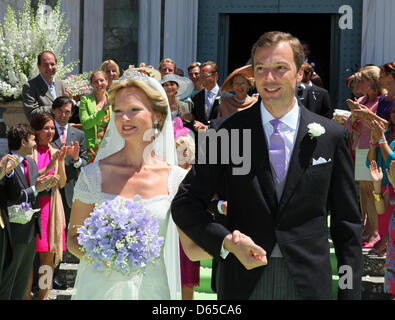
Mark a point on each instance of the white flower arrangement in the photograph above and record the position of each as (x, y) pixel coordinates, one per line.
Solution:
(315, 130)
(22, 38)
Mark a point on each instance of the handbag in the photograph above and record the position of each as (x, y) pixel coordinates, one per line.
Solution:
(21, 213)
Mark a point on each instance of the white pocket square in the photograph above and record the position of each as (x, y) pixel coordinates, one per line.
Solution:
(320, 160)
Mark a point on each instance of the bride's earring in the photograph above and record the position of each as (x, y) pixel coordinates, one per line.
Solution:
(156, 131)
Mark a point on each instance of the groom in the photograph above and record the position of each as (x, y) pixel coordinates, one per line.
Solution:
(274, 244)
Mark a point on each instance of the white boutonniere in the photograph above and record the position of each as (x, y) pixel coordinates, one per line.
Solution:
(315, 130)
(218, 98)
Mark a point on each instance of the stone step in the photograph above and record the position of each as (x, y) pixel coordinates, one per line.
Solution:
(60, 294)
(69, 258)
(373, 265)
(67, 273)
(373, 288)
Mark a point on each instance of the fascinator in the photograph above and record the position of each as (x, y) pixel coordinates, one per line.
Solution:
(179, 129)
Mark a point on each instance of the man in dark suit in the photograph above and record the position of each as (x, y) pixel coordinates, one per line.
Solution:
(275, 241)
(206, 101)
(16, 275)
(39, 93)
(77, 156)
(313, 97)
(7, 163)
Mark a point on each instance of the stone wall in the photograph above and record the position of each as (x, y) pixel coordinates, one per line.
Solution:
(121, 32)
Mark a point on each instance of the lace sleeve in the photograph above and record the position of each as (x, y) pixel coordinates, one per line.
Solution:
(177, 175)
(87, 187)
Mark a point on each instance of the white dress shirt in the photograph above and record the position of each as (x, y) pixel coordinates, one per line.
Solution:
(78, 163)
(210, 96)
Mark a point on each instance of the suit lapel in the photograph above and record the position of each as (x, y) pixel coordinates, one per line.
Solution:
(260, 157)
(300, 158)
(21, 176)
(56, 140)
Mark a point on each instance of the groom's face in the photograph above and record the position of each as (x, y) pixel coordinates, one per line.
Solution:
(276, 75)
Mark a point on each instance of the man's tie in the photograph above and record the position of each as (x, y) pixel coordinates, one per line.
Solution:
(62, 135)
(277, 149)
(26, 168)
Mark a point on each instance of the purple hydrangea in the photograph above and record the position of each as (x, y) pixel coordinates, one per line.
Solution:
(120, 235)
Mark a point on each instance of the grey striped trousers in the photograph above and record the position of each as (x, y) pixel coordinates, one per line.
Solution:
(275, 283)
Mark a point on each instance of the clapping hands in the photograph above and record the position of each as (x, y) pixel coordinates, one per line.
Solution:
(45, 182)
(375, 172)
(377, 131)
(8, 163)
(73, 150)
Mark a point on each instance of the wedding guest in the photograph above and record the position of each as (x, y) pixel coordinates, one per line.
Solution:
(386, 102)
(167, 66)
(194, 76)
(206, 102)
(382, 151)
(369, 78)
(39, 93)
(190, 270)
(76, 158)
(95, 113)
(77, 155)
(22, 181)
(111, 68)
(52, 243)
(123, 169)
(177, 89)
(239, 81)
(382, 201)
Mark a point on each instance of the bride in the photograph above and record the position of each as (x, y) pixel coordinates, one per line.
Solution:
(136, 161)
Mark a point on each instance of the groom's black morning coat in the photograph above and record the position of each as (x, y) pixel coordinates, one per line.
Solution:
(298, 222)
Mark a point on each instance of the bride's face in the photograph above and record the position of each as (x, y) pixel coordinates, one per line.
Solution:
(133, 113)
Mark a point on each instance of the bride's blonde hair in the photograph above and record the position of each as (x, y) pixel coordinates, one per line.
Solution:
(158, 102)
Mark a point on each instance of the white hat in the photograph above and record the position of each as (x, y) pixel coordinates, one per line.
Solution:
(185, 85)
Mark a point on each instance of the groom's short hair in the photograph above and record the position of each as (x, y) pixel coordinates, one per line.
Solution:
(272, 38)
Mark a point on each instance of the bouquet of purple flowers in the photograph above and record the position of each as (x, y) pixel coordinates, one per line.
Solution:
(120, 235)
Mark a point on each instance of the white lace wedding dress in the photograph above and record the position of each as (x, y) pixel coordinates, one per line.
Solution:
(155, 283)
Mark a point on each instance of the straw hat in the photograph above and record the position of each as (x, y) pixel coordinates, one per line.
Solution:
(246, 70)
(148, 70)
(185, 85)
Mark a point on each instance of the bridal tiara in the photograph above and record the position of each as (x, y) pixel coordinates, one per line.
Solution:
(132, 74)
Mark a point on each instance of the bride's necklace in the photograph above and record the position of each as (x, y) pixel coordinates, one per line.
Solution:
(240, 101)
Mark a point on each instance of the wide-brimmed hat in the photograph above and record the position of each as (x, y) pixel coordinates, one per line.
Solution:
(185, 85)
(148, 70)
(246, 70)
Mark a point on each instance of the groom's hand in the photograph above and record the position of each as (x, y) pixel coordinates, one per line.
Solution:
(249, 254)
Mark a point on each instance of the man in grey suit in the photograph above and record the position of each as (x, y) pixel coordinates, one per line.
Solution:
(39, 93)
(77, 156)
(16, 273)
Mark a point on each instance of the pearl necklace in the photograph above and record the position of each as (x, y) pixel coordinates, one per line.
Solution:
(240, 101)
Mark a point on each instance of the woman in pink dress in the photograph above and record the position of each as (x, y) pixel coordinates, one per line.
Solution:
(190, 270)
(53, 239)
(369, 84)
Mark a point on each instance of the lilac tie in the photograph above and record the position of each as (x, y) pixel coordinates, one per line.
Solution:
(277, 149)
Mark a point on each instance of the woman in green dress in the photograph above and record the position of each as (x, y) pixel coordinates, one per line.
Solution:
(95, 112)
